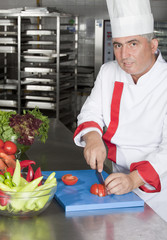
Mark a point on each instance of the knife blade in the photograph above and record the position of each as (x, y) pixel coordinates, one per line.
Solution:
(100, 177)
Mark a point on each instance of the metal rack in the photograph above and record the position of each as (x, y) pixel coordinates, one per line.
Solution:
(8, 47)
(45, 46)
(161, 34)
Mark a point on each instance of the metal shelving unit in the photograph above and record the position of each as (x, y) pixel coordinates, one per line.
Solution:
(45, 46)
(9, 42)
(161, 34)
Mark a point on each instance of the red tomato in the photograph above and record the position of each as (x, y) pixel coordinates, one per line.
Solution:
(1, 143)
(2, 150)
(10, 147)
(69, 179)
(98, 189)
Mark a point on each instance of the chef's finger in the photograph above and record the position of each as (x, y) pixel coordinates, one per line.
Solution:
(112, 177)
(117, 190)
(99, 166)
(100, 161)
(93, 161)
(112, 181)
(90, 159)
(87, 156)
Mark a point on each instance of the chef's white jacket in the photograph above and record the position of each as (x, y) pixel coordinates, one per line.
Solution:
(135, 116)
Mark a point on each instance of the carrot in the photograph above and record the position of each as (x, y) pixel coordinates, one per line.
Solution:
(9, 161)
(5, 156)
(3, 166)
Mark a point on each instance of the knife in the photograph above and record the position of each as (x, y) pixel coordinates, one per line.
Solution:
(100, 177)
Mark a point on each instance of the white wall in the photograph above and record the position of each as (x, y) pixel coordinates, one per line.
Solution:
(5, 4)
(89, 8)
(159, 9)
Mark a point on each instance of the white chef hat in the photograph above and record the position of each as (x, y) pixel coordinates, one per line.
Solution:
(130, 17)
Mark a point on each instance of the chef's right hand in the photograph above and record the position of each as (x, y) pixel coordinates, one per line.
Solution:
(94, 151)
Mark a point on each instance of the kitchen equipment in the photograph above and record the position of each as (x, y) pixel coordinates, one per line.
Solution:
(100, 177)
(35, 43)
(7, 49)
(103, 43)
(79, 198)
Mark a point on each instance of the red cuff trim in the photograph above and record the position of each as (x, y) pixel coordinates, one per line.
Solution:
(148, 173)
(85, 125)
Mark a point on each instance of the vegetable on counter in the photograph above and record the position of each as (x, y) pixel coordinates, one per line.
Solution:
(17, 194)
(7, 157)
(29, 125)
(30, 174)
(69, 179)
(38, 174)
(17, 174)
(23, 129)
(26, 163)
(10, 147)
(6, 161)
(98, 189)
(4, 199)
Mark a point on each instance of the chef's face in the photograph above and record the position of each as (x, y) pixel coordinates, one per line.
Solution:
(135, 54)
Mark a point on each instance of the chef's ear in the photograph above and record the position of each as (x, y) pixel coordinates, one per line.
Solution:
(154, 45)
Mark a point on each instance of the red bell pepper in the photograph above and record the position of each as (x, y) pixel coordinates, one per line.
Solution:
(30, 174)
(4, 198)
(26, 163)
(38, 174)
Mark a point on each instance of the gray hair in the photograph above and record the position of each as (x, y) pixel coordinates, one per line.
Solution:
(148, 36)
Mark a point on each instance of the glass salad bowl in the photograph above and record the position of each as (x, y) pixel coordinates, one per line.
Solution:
(24, 203)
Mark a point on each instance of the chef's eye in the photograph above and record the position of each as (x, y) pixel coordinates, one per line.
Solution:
(117, 45)
(133, 44)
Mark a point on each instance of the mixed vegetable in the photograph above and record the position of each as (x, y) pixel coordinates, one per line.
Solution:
(8, 150)
(20, 194)
(24, 128)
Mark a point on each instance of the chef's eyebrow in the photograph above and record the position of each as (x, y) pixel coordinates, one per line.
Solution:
(133, 40)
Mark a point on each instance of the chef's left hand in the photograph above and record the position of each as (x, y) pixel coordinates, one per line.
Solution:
(120, 183)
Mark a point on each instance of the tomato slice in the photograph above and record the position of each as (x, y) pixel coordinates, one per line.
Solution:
(102, 190)
(69, 179)
(94, 189)
(98, 189)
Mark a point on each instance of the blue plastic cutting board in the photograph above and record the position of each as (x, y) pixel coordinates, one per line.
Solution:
(78, 197)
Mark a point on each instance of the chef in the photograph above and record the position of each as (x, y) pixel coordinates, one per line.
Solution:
(127, 109)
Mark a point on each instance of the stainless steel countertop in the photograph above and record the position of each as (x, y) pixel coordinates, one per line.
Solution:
(60, 153)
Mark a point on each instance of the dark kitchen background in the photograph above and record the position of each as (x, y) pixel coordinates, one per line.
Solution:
(60, 96)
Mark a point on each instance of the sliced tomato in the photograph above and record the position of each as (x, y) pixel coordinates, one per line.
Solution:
(69, 179)
(98, 189)
(102, 190)
(94, 189)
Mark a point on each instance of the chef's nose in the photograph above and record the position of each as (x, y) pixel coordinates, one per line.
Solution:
(125, 51)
